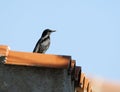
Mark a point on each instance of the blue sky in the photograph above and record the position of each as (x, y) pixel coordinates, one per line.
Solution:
(87, 30)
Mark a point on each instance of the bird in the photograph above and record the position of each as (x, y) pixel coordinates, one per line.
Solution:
(44, 42)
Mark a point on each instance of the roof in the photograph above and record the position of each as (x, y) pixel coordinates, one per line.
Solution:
(47, 60)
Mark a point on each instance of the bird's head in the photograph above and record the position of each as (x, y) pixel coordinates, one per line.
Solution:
(47, 32)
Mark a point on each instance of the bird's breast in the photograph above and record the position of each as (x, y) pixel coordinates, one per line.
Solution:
(46, 42)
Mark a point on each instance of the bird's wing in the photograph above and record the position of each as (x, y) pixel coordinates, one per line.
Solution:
(36, 49)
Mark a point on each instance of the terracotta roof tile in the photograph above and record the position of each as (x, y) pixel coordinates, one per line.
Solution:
(50, 61)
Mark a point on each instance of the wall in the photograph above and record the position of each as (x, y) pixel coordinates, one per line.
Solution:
(34, 79)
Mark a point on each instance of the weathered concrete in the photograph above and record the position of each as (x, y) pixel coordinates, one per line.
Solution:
(34, 79)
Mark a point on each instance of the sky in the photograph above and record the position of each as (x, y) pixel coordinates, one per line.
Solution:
(87, 30)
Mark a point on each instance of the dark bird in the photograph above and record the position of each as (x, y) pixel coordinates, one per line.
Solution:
(44, 42)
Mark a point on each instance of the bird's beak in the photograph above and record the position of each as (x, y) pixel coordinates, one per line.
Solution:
(53, 31)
